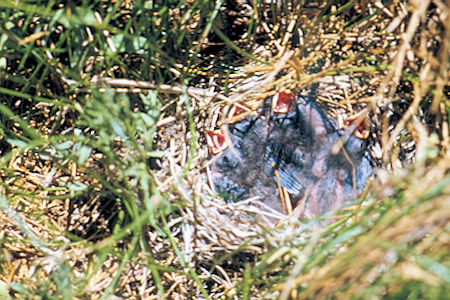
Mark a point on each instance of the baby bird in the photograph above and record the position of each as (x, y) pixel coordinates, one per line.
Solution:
(291, 151)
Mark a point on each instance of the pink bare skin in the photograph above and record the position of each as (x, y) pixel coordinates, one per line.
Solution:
(298, 143)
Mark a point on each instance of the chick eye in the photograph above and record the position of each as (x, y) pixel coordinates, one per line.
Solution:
(355, 145)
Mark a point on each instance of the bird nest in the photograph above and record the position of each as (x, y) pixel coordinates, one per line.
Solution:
(90, 207)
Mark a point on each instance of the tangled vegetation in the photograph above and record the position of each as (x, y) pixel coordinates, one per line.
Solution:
(103, 109)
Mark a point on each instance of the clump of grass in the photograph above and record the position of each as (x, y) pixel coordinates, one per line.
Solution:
(389, 245)
(102, 110)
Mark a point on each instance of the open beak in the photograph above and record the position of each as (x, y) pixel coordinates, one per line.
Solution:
(358, 124)
(282, 101)
(216, 141)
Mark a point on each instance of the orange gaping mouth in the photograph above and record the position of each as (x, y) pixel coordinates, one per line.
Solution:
(216, 141)
(282, 101)
(360, 123)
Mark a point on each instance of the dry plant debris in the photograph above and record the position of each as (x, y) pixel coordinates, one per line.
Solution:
(103, 111)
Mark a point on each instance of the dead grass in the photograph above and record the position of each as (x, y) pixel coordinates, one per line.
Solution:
(104, 187)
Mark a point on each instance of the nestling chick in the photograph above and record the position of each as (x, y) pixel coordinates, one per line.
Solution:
(294, 147)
